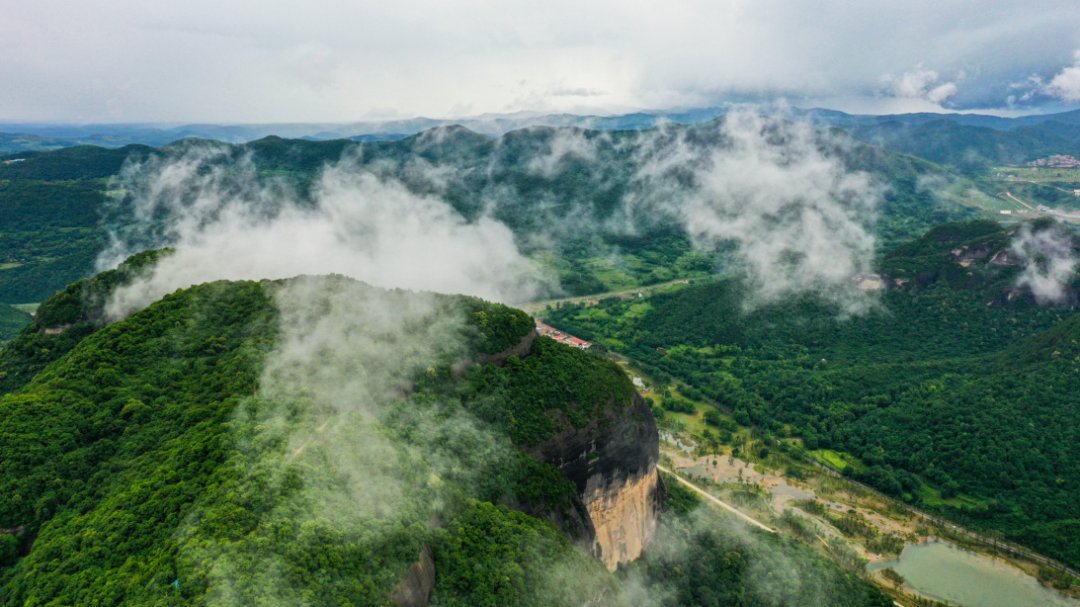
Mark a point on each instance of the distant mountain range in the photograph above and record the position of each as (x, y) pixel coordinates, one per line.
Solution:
(15, 136)
(19, 136)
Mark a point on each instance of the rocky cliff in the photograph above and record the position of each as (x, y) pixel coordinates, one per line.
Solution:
(415, 589)
(612, 461)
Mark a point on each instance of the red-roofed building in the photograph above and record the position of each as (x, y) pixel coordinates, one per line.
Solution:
(561, 337)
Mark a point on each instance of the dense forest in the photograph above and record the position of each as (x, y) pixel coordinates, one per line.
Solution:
(12, 321)
(955, 391)
(157, 460)
(172, 457)
(561, 191)
(49, 235)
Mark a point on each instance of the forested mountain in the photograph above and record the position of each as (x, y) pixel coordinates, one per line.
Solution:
(562, 191)
(956, 391)
(973, 148)
(23, 137)
(12, 320)
(206, 450)
(196, 453)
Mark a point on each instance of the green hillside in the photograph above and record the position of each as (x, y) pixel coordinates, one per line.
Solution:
(557, 203)
(158, 460)
(954, 392)
(12, 321)
(135, 431)
(971, 148)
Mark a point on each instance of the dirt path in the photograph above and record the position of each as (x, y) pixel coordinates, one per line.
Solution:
(538, 306)
(726, 506)
(1020, 202)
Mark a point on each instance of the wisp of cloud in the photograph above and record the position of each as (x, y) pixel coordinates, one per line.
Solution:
(225, 223)
(1050, 262)
(799, 220)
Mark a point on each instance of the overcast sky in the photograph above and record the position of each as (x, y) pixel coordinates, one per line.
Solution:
(338, 60)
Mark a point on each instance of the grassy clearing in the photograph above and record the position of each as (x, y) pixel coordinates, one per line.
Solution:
(1002, 204)
(607, 272)
(932, 497)
(836, 459)
(1036, 174)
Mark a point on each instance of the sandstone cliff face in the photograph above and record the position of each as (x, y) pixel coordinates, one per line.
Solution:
(624, 513)
(613, 464)
(415, 589)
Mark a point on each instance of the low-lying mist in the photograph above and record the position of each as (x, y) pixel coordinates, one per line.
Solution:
(320, 456)
(1050, 262)
(313, 449)
(224, 222)
(800, 221)
(466, 214)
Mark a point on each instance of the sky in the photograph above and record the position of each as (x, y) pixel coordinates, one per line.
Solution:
(246, 61)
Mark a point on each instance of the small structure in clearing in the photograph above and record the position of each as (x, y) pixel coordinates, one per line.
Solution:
(561, 337)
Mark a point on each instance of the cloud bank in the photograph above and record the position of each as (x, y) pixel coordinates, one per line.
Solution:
(1050, 262)
(330, 61)
(226, 224)
(766, 191)
(800, 222)
(1066, 83)
(920, 84)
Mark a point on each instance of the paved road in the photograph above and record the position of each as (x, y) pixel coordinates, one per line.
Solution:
(1020, 202)
(538, 306)
(717, 502)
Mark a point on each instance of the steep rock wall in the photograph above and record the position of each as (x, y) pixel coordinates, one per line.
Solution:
(612, 461)
(415, 589)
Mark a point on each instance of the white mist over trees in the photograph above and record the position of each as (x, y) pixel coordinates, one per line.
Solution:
(226, 224)
(800, 221)
(347, 355)
(1050, 262)
(772, 191)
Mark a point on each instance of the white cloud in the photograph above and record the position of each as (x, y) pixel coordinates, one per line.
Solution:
(330, 61)
(226, 225)
(1066, 84)
(921, 85)
(800, 222)
(1049, 262)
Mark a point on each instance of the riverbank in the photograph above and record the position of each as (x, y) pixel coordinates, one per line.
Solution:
(862, 530)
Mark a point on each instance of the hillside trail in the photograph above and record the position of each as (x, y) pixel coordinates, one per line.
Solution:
(1020, 202)
(592, 298)
(718, 502)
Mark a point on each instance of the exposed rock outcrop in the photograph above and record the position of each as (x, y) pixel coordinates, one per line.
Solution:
(624, 513)
(414, 590)
(520, 350)
(965, 256)
(612, 461)
(1006, 257)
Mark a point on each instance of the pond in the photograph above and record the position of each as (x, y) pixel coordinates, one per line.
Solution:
(942, 571)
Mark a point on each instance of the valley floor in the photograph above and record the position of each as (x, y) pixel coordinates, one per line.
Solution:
(842, 517)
